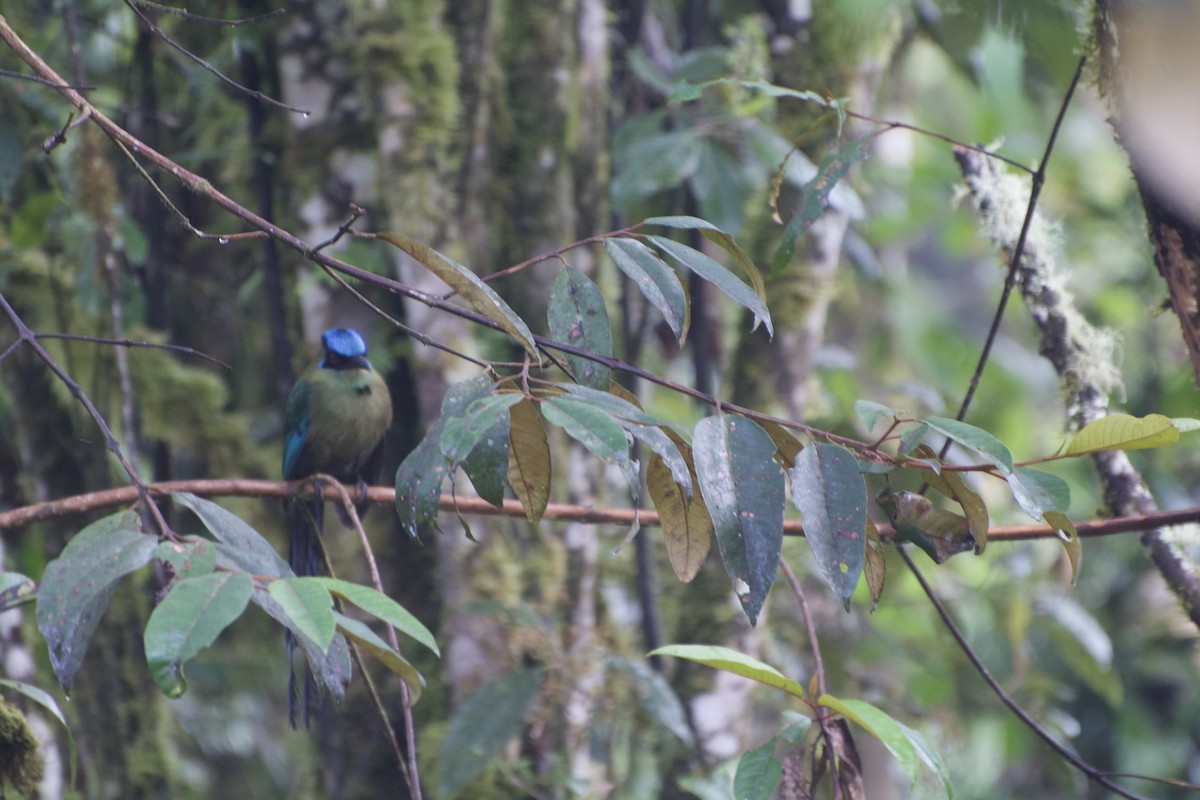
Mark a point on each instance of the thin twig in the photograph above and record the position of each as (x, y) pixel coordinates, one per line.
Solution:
(1093, 774)
(74, 337)
(185, 14)
(52, 84)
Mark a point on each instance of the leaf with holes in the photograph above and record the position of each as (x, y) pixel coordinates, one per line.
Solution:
(743, 488)
(578, 317)
(831, 495)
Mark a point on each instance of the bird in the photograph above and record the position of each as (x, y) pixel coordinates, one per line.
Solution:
(334, 423)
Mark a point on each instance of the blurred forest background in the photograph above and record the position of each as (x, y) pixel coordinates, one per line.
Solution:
(498, 131)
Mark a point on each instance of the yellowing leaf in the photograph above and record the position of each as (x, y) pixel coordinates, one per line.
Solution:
(1069, 538)
(528, 459)
(687, 527)
(952, 485)
(875, 565)
(1123, 432)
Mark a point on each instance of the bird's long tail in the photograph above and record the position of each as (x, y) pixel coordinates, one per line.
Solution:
(305, 525)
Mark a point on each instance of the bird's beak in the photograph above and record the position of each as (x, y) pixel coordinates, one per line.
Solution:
(361, 362)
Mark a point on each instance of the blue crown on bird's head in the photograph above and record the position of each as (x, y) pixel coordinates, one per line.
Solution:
(344, 347)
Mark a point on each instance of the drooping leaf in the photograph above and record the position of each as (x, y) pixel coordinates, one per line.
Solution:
(617, 406)
(686, 526)
(16, 590)
(467, 284)
(330, 668)
(78, 585)
(815, 196)
(1123, 432)
(381, 607)
(786, 445)
(722, 240)
(718, 276)
(461, 435)
(727, 660)
(364, 637)
(912, 438)
(893, 735)
(871, 412)
(529, 460)
(875, 564)
(1069, 536)
(578, 316)
(308, 605)
(487, 465)
(758, 773)
(189, 619)
(657, 697)
(46, 701)
(940, 533)
(952, 485)
(743, 488)
(1038, 492)
(831, 495)
(1085, 647)
(596, 430)
(977, 439)
(238, 541)
(655, 279)
(481, 726)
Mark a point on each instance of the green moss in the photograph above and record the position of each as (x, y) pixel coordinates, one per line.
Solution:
(21, 765)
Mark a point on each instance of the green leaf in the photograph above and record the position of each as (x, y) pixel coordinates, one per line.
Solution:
(758, 773)
(653, 162)
(1186, 424)
(831, 495)
(1123, 432)
(381, 606)
(743, 488)
(1039, 492)
(657, 697)
(244, 546)
(487, 465)
(657, 281)
(578, 317)
(815, 196)
(895, 737)
(330, 668)
(592, 427)
(78, 585)
(366, 638)
(188, 557)
(718, 276)
(616, 406)
(871, 412)
(912, 438)
(468, 285)
(732, 661)
(16, 590)
(1069, 538)
(721, 239)
(189, 619)
(460, 435)
(46, 701)
(482, 725)
(977, 439)
(529, 460)
(308, 605)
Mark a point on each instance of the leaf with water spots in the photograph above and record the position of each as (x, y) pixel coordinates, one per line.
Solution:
(577, 316)
(831, 495)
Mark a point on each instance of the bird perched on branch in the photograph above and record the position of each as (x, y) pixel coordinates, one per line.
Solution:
(336, 416)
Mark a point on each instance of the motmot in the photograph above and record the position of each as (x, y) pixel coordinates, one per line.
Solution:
(336, 416)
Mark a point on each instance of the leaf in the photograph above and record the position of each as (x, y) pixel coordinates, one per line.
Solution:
(16, 590)
(657, 697)
(941, 534)
(930, 756)
(578, 317)
(78, 585)
(382, 607)
(1186, 424)
(831, 495)
(487, 465)
(722, 240)
(758, 773)
(46, 701)
(952, 485)
(1085, 647)
(1123, 432)
(364, 637)
(481, 726)
(189, 619)
(687, 527)
(528, 460)
(244, 545)
(912, 438)
(657, 281)
(468, 285)
(786, 444)
(1069, 538)
(895, 737)
(616, 406)
(718, 276)
(1038, 492)
(743, 489)
(188, 557)
(871, 412)
(977, 439)
(732, 661)
(815, 196)
(308, 605)
(461, 435)
(590, 426)
(331, 668)
(874, 564)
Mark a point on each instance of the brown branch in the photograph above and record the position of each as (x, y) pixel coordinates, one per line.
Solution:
(623, 517)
